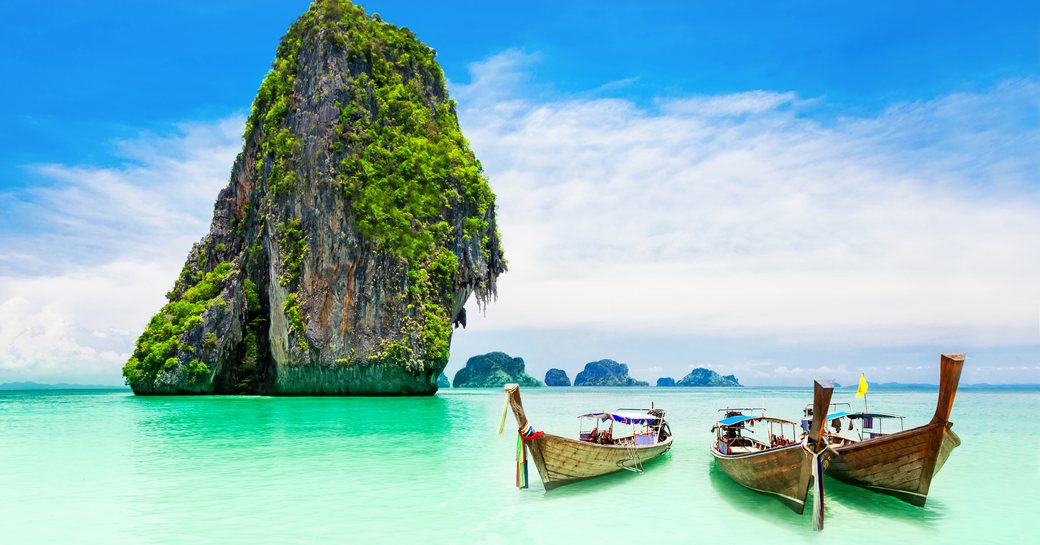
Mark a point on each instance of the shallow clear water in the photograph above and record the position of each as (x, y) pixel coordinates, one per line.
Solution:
(102, 467)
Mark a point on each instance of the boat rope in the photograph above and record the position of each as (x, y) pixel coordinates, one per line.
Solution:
(817, 476)
(521, 462)
(502, 422)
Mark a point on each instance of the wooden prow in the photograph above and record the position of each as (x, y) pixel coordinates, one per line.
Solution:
(513, 394)
(949, 377)
(821, 403)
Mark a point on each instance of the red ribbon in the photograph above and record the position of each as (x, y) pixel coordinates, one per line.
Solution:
(535, 435)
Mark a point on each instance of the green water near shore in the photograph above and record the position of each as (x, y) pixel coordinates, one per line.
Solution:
(108, 467)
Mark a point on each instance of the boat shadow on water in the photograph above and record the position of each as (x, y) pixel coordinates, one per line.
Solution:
(604, 482)
(754, 504)
(874, 504)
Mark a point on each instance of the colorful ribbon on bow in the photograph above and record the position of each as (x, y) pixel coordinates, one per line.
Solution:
(526, 434)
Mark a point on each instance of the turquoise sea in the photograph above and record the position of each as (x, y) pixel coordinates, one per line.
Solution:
(108, 467)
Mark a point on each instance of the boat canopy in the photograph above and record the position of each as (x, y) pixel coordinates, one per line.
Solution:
(741, 418)
(624, 417)
(844, 414)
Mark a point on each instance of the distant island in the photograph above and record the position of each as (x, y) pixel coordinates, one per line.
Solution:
(557, 377)
(606, 373)
(443, 382)
(18, 386)
(493, 370)
(665, 382)
(706, 377)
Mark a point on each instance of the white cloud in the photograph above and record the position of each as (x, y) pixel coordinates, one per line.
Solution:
(811, 372)
(159, 200)
(75, 294)
(738, 216)
(80, 324)
(751, 102)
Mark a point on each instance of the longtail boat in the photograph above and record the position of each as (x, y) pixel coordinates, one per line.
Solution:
(641, 435)
(785, 466)
(900, 464)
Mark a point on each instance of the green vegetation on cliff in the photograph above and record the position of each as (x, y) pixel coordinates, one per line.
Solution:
(157, 348)
(356, 224)
(401, 161)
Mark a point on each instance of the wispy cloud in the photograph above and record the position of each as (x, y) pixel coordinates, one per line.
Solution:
(159, 198)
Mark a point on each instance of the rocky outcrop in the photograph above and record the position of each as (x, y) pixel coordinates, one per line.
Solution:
(443, 382)
(665, 382)
(493, 370)
(606, 373)
(707, 377)
(557, 377)
(356, 224)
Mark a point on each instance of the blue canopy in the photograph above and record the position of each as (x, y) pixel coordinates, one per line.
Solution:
(844, 414)
(624, 417)
(734, 420)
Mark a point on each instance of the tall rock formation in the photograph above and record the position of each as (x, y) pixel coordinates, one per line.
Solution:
(606, 373)
(356, 224)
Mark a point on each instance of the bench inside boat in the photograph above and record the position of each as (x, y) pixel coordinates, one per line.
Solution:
(624, 427)
(738, 434)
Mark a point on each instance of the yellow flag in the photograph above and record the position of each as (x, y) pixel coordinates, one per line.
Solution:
(862, 391)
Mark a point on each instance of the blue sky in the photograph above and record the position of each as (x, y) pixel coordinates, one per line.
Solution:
(88, 72)
(121, 122)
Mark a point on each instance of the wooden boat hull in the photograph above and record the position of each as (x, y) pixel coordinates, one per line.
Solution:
(901, 464)
(785, 472)
(563, 461)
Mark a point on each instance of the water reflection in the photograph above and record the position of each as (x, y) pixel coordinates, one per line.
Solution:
(869, 502)
(757, 504)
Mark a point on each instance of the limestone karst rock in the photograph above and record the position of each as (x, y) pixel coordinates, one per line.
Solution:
(356, 224)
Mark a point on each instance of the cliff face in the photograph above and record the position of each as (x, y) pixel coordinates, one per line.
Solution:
(493, 370)
(557, 377)
(606, 373)
(356, 224)
(706, 377)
